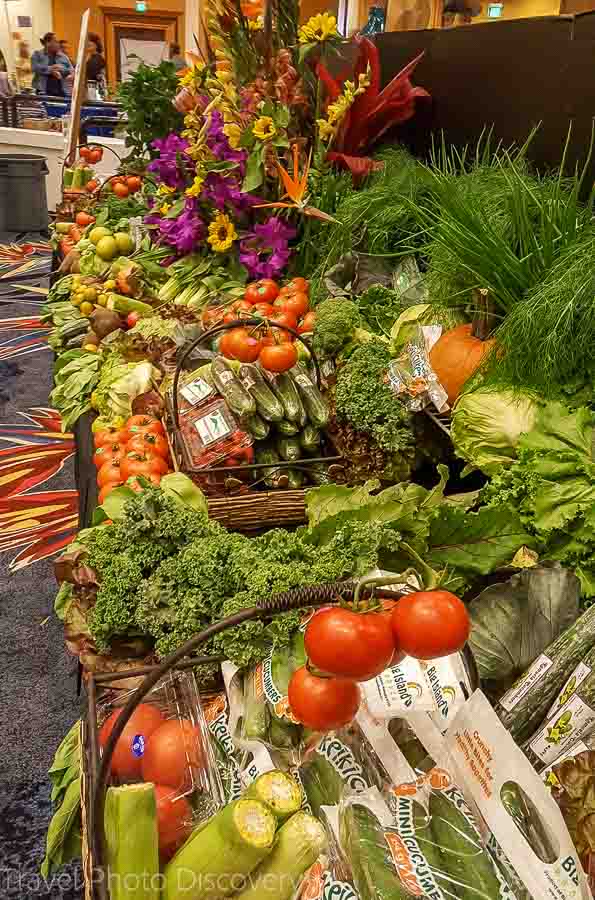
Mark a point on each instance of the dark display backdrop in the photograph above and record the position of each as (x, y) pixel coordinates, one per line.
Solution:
(509, 74)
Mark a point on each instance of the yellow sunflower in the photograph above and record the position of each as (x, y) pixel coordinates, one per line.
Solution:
(222, 233)
(318, 28)
(264, 128)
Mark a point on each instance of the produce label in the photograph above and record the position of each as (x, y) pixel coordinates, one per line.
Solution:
(403, 687)
(412, 866)
(303, 380)
(570, 723)
(342, 760)
(138, 745)
(212, 427)
(196, 391)
(577, 678)
(449, 683)
(533, 674)
(549, 776)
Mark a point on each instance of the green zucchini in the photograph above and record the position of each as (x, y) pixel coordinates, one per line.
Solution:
(289, 449)
(310, 439)
(131, 842)
(465, 861)
(286, 390)
(287, 429)
(267, 405)
(278, 791)
(364, 841)
(228, 385)
(315, 406)
(525, 705)
(258, 428)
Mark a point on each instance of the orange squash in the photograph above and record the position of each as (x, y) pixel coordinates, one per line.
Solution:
(456, 356)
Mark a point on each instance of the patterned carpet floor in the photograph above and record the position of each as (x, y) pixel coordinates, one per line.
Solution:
(38, 516)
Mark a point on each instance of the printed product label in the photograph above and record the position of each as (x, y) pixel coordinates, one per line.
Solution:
(138, 745)
(445, 677)
(212, 427)
(196, 391)
(248, 382)
(533, 674)
(549, 776)
(261, 762)
(303, 380)
(403, 687)
(577, 678)
(411, 865)
(342, 760)
(226, 377)
(338, 890)
(562, 729)
(277, 700)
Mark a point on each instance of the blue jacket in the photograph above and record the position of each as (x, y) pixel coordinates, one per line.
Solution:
(40, 62)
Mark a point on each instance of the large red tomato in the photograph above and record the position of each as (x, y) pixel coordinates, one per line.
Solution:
(308, 322)
(288, 319)
(265, 290)
(322, 704)
(349, 644)
(109, 473)
(174, 819)
(244, 345)
(132, 743)
(298, 304)
(278, 357)
(108, 453)
(142, 464)
(109, 435)
(173, 755)
(141, 423)
(429, 624)
(148, 442)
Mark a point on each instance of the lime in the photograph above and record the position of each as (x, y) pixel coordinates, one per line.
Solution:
(100, 231)
(124, 242)
(90, 295)
(106, 248)
(110, 284)
(86, 308)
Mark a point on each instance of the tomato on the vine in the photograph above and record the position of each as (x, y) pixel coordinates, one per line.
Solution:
(85, 153)
(108, 453)
(243, 345)
(110, 473)
(288, 319)
(297, 284)
(145, 464)
(278, 357)
(263, 309)
(135, 485)
(133, 183)
(110, 435)
(263, 291)
(148, 442)
(308, 322)
(96, 155)
(121, 191)
(225, 345)
(243, 308)
(141, 423)
(277, 336)
(298, 304)
(322, 704)
(430, 624)
(348, 644)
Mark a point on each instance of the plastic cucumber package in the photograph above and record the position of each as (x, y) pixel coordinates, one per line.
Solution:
(164, 744)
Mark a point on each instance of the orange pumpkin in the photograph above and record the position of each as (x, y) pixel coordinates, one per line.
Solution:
(456, 356)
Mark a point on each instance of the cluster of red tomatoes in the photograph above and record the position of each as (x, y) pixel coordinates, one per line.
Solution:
(345, 647)
(122, 186)
(91, 155)
(122, 454)
(273, 347)
(166, 752)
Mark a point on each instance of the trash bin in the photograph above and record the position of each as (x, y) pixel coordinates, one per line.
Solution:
(22, 182)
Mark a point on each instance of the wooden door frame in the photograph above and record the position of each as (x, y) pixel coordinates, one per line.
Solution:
(167, 20)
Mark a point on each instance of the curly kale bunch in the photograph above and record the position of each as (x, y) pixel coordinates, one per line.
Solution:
(365, 403)
(380, 306)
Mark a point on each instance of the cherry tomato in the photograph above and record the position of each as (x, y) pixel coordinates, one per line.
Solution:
(140, 423)
(83, 219)
(174, 819)
(121, 191)
(133, 183)
(148, 442)
(298, 284)
(263, 291)
(349, 644)
(110, 473)
(308, 322)
(132, 318)
(173, 754)
(322, 704)
(135, 485)
(429, 624)
(243, 345)
(128, 753)
(95, 155)
(263, 309)
(145, 464)
(108, 453)
(278, 357)
(298, 304)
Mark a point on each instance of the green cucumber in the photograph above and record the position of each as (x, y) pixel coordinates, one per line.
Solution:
(267, 405)
(258, 428)
(322, 783)
(229, 386)
(286, 390)
(283, 735)
(296, 479)
(289, 449)
(310, 439)
(314, 404)
(363, 839)
(318, 474)
(288, 429)
(256, 714)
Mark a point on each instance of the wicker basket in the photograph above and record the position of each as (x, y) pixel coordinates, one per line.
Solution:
(238, 505)
(94, 774)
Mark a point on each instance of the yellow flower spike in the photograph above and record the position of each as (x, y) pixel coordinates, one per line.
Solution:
(318, 29)
(325, 129)
(224, 76)
(264, 128)
(222, 233)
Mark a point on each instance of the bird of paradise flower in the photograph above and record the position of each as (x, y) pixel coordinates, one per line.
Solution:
(39, 523)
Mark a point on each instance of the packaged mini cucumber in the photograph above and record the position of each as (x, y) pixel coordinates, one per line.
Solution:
(514, 804)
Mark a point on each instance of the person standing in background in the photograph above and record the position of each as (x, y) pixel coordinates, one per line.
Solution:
(50, 66)
(95, 70)
(64, 49)
(176, 57)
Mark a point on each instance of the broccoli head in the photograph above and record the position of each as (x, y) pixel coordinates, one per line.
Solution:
(337, 320)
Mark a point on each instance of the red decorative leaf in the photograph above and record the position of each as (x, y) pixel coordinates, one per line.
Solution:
(359, 166)
(333, 87)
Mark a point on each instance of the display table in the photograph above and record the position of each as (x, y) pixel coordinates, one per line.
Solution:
(50, 145)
